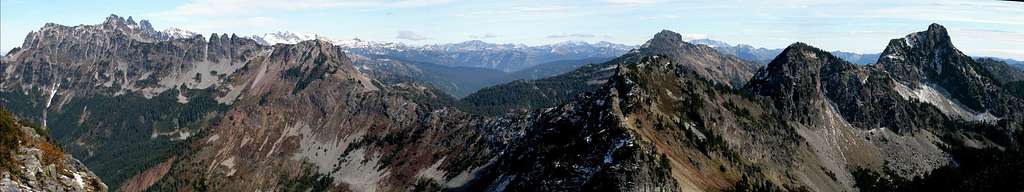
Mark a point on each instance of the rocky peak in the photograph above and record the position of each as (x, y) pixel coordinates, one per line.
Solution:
(112, 27)
(131, 21)
(706, 61)
(797, 67)
(929, 57)
(127, 55)
(311, 60)
(924, 56)
(114, 21)
(665, 39)
(935, 37)
(794, 79)
(145, 25)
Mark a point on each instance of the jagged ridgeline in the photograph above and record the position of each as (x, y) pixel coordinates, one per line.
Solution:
(150, 110)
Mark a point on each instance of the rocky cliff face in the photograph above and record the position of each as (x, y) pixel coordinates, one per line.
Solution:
(928, 60)
(31, 163)
(70, 79)
(872, 113)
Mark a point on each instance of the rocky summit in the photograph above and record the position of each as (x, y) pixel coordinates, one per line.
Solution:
(171, 110)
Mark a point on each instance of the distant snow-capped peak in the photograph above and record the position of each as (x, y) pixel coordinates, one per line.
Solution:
(286, 37)
(364, 44)
(709, 42)
(179, 33)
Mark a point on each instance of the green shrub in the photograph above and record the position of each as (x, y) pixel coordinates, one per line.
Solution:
(9, 137)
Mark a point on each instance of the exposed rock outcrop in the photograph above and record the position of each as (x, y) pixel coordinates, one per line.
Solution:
(29, 162)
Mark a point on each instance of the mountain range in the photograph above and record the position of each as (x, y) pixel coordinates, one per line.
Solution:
(764, 55)
(149, 111)
(474, 53)
(459, 69)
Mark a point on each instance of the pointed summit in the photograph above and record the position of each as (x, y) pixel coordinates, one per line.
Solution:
(924, 55)
(934, 37)
(113, 18)
(114, 22)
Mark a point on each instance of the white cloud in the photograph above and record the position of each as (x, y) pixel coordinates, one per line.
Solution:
(409, 35)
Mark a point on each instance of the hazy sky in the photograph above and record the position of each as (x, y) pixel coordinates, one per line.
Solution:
(981, 28)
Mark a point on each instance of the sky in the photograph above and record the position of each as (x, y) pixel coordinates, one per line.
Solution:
(979, 28)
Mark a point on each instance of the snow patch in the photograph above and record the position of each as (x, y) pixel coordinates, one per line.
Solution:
(176, 33)
(287, 38)
(939, 98)
(53, 92)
